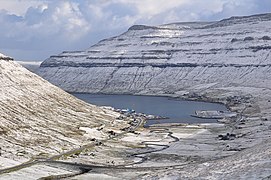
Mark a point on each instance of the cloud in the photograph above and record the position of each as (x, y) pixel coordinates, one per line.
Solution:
(43, 27)
(36, 29)
(19, 7)
(61, 19)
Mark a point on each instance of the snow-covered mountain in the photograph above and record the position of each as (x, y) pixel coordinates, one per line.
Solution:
(170, 58)
(39, 119)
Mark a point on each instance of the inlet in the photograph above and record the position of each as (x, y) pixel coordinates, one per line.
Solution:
(175, 110)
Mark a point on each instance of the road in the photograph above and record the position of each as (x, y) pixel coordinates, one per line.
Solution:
(71, 152)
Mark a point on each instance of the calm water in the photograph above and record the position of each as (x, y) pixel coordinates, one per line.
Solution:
(178, 111)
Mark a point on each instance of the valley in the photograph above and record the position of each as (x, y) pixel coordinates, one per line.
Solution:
(48, 133)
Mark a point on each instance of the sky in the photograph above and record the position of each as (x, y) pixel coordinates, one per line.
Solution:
(33, 30)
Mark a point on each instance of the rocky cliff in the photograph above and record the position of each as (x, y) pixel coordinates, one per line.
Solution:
(170, 58)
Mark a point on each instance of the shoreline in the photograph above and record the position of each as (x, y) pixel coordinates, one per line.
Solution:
(189, 135)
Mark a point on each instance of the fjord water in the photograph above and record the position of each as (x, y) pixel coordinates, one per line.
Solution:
(178, 111)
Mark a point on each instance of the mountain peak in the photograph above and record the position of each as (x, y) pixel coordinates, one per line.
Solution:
(4, 57)
(141, 27)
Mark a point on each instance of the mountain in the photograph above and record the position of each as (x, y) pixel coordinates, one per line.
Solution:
(170, 58)
(227, 61)
(39, 120)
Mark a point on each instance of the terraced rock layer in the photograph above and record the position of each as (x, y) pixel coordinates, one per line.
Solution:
(165, 59)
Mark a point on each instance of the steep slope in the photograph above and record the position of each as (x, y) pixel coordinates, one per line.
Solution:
(40, 120)
(169, 58)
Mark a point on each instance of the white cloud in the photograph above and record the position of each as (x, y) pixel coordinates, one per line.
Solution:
(18, 7)
(151, 8)
(55, 21)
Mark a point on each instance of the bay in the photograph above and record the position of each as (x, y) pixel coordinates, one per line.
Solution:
(177, 111)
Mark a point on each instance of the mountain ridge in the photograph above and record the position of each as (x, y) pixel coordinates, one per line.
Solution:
(140, 59)
(4, 57)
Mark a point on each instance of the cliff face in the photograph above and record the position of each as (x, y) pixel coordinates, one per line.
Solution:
(170, 58)
(38, 118)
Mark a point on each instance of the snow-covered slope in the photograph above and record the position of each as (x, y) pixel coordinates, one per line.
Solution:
(170, 58)
(39, 119)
